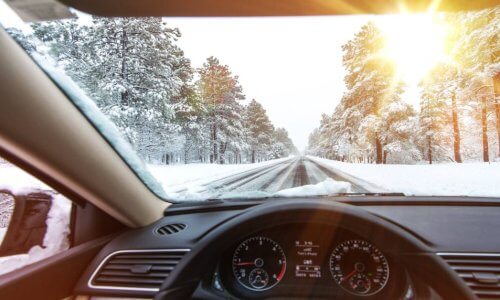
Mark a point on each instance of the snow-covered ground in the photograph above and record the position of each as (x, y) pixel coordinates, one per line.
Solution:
(447, 179)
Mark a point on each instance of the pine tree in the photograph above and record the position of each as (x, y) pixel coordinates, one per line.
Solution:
(260, 130)
(133, 70)
(221, 92)
(477, 48)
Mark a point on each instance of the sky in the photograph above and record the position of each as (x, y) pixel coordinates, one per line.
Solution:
(291, 65)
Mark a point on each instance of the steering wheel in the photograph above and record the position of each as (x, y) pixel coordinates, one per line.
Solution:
(414, 254)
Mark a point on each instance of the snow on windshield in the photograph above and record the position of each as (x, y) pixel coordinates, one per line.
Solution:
(356, 105)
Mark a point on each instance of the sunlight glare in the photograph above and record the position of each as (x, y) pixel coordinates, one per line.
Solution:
(416, 43)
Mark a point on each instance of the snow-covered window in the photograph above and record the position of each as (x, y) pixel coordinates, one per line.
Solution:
(34, 219)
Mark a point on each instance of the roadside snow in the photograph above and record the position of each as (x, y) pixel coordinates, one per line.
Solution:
(448, 179)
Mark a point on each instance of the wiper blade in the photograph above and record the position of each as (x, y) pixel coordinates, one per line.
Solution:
(379, 194)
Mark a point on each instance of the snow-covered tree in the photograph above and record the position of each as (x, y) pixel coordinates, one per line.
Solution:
(260, 131)
(221, 93)
(476, 49)
(134, 71)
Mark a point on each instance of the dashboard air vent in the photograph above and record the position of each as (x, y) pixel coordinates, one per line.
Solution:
(143, 270)
(170, 229)
(480, 271)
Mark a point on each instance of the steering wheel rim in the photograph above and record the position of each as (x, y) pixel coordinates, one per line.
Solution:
(413, 253)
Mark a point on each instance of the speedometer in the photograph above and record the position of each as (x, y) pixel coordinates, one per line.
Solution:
(359, 267)
(259, 263)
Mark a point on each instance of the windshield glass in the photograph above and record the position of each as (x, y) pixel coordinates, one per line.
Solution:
(239, 108)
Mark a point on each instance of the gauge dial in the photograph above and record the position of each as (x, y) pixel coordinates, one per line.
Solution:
(359, 267)
(259, 263)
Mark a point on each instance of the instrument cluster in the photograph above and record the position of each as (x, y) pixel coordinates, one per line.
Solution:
(310, 260)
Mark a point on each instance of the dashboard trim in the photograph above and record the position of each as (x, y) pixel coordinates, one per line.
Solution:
(138, 289)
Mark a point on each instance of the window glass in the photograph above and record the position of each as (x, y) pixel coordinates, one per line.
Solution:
(34, 219)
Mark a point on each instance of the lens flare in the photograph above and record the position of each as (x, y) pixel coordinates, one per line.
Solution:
(416, 43)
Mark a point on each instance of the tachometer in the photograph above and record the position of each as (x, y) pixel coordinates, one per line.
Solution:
(259, 263)
(359, 267)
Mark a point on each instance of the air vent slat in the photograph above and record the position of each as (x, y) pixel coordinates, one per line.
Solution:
(136, 269)
(480, 271)
(152, 256)
(127, 267)
(114, 279)
(128, 274)
(170, 229)
(144, 261)
(474, 262)
(476, 268)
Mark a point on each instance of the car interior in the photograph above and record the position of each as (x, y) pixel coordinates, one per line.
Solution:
(126, 242)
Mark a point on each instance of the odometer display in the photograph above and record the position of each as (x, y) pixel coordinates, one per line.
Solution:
(359, 267)
(259, 263)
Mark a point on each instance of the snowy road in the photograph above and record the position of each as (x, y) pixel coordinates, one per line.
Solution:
(285, 174)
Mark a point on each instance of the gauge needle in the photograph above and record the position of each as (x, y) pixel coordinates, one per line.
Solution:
(250, 263)
(349, 275)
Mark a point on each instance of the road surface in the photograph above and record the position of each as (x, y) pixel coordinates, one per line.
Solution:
(285, 174)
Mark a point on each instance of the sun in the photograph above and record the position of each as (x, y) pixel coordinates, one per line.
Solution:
(415, 42)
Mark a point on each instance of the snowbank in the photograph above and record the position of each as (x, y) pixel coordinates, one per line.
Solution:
(449, 179)
(324, 188)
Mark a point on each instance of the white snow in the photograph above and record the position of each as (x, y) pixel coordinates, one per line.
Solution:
(324, 188)
(446, 179)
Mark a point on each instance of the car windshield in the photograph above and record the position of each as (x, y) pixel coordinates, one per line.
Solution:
(269, 107)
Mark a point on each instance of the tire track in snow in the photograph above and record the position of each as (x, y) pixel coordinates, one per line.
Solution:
(231, 179)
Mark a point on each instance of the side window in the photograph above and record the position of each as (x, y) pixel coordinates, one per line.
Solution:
(34, 219)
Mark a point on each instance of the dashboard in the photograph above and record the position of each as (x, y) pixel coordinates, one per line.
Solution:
(308, 259)
(387, 248)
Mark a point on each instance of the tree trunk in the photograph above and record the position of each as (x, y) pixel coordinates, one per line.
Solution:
(385, 157)
(456, 129)
(496, 85)
(222, 151)
(484, 129)
(378, 147)
(124, 71)
(214, 156)
(429, 149)
(253, 156)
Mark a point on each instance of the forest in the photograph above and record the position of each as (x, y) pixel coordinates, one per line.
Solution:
(169, 111)
(457, 119)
